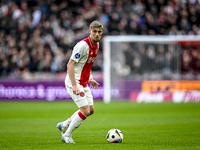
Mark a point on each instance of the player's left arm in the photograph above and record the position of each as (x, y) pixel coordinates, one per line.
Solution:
(94, 84)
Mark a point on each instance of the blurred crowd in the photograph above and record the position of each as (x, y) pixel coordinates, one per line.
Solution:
(158, 61)
(38, 35)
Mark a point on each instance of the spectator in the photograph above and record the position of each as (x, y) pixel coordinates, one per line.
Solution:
(38, 36)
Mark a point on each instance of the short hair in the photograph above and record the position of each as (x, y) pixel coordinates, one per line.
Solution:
(96, 24)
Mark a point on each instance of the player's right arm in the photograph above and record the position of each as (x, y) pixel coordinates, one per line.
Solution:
(71, 73)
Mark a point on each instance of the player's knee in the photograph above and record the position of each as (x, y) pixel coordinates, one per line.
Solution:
(86, 112)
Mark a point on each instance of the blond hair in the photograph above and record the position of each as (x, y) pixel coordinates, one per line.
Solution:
(96, 24)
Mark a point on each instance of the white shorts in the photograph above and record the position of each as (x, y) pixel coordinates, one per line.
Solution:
(87, 99)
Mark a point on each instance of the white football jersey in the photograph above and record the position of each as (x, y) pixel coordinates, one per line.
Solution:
(84, 53)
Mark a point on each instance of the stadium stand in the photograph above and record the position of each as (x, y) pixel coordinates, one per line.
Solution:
(37, 36)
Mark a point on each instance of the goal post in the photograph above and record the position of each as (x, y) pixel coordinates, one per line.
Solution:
(106, 79)
(117, 66)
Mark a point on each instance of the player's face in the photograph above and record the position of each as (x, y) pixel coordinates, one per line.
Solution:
(95, 34)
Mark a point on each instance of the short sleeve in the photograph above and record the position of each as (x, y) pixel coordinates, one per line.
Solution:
(78, 51)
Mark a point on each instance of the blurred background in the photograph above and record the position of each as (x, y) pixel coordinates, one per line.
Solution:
(37, 37)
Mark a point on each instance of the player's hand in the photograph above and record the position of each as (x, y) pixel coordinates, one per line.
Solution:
(94, 84)
(75, 90)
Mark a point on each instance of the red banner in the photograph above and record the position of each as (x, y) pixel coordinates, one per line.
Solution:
(186, 97)
(150, 97)
(159, 97)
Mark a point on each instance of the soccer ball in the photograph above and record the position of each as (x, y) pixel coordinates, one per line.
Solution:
(114, 136)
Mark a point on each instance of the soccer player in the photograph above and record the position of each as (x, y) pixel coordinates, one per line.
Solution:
(78, 75)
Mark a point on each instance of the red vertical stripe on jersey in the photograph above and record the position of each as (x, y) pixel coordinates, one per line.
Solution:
(85, 74)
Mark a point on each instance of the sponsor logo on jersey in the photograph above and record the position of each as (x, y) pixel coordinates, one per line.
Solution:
(91, 59)
(77, 55)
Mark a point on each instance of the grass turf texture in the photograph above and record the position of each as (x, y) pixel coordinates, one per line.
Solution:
(146, 126)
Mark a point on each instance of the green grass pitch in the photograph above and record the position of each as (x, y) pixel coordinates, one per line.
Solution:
(146, 126)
